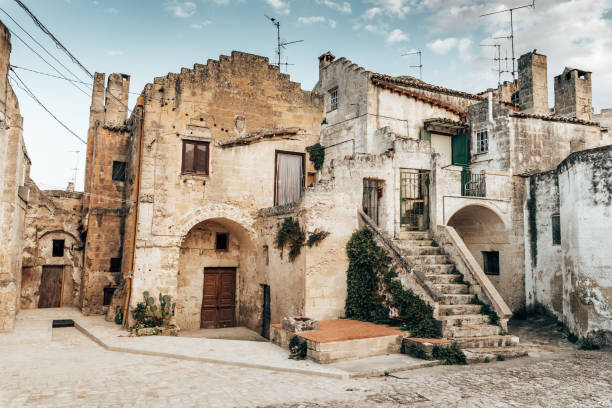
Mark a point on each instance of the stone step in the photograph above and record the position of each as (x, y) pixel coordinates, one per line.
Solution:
(436, 269)
(455, 299)
(487, 341)
(452, 288)
(409, 243)
(427, 259)
(422, 250)
(454, 310)
(464, 320)
(489, 355)
(414, 235)
(479, 330)
(441, 278)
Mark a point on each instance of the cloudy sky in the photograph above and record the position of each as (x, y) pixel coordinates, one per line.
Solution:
(148, 38)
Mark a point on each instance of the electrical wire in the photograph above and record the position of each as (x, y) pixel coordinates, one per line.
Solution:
(55, 40)
(40, 45)
(27, 90)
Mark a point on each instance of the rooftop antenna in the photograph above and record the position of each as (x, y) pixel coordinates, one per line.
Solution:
(497, 59)
(76, 165)
(511, 36)
(420, 66)
(279, 44)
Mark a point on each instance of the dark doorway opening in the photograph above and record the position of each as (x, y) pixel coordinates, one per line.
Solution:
(265, 326)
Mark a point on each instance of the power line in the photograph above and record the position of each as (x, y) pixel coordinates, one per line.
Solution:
(40, 45)
(27, 90)
(42, 58)
(55, 40)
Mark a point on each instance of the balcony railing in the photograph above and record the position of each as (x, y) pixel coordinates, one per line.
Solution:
(473, 185)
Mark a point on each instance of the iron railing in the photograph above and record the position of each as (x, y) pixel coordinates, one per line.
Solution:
(473, 185)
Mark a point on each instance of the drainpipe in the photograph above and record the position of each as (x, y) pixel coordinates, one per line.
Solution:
(490, 99)
(135, 200)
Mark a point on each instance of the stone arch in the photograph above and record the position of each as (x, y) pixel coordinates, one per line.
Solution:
(198, 253)
(480, 213)
(239, 216)
(58, 231)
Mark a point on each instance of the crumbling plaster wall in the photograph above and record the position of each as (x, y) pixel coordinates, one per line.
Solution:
(497, 157)
(52, 215)
(14, 169)
(573, 280)
(217, 103)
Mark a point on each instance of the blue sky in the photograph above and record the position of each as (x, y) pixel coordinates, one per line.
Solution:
(148, 38)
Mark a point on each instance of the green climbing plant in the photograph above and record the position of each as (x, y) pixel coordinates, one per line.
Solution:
(316, 153)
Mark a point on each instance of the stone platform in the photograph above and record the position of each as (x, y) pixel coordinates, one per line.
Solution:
(344, 339)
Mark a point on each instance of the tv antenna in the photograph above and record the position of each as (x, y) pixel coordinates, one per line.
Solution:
(499, 60)
(511, 36)
(420, 66)
(280, 44)
(76, 165)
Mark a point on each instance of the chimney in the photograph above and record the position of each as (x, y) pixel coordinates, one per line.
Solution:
(70, 186)
(533, 84)
(574, 94)
(326, 59)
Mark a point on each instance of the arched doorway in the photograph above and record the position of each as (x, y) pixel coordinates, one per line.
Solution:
(216, 276)
(485, 235)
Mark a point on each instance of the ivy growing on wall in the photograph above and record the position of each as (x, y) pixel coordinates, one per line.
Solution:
(291, 234)
(373, 290)
(317, 155)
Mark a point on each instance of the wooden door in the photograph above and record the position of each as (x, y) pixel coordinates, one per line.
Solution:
(50, 287)
(219, 298)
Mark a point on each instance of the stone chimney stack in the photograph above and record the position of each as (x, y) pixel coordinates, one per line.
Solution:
(116, 103)
(574, 94)
(533, 84)
(326, 59)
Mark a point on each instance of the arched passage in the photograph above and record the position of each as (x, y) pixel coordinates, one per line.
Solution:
(485, 235)
(216, 280)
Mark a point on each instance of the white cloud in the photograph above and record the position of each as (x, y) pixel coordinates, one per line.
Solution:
(395, 8)
(342, 7)
(397, 35)
(111, 10)
(114, 53)
(317, 19)
(442, 46)
(281, 6)
(181, 9)
(201, 24)
(371, 28)
(371, 13)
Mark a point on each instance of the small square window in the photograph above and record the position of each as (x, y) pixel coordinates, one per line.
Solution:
(491, 262)
(333, 99)
(482, 141)
(108, 296)
(195, 157)
(118, 171)
(556, 229)
(115, 265)
(58, 248)
(222, 243)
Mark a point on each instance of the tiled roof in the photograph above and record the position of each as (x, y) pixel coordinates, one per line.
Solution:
(260, 135)
(553, 118)
(383, 83)
(427, 87)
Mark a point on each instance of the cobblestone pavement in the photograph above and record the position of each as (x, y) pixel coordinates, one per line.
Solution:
(73, 371)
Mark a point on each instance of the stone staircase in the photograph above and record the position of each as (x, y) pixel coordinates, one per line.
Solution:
(461, 320)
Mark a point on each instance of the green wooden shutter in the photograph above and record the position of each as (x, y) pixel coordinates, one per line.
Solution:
(460, 149)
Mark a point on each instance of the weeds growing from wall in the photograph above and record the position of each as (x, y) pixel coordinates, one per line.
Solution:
(298, 348)
(451, 355)
(316, 153)
(316, 237)
(373, 290)
(485, 310)
(291, 233)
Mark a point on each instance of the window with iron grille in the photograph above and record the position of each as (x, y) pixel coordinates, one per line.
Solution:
(333, 105)
(556, 229)
(491, 262)
(195, 157)
(118, 171)
(482, 141)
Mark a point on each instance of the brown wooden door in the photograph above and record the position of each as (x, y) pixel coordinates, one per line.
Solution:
(50, 287)
(219, 298)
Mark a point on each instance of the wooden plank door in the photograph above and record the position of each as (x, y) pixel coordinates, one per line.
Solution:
(50, 287)
(219, 298)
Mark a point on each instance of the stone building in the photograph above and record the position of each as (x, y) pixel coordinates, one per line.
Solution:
(14, 170)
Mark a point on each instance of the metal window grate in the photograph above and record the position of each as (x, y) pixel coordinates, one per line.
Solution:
(556, 229)
(334, 99)
(414, 199)
(473, 185)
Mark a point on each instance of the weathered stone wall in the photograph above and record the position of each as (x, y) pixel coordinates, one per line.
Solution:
(604, 118)
(573, 94)
(573, 280)
(14, 169)
(247, 111)
(533, 84)
(104, 199)
(52, 215)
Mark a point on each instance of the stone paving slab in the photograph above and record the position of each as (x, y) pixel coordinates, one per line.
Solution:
(381, 365)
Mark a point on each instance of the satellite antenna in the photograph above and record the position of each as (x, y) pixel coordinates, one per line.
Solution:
(511, 36)
(280, 44)
(420, 66)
